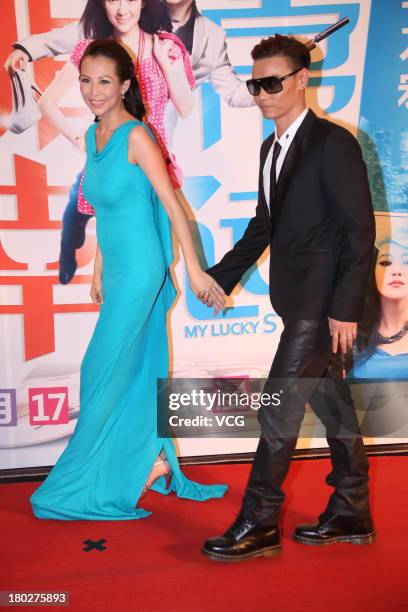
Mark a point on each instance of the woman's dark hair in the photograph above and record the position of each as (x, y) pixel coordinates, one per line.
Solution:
(284, 46)
(106, 47)
(154, 16)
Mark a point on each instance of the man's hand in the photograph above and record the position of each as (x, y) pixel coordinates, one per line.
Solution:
(342, 332)
(17, 59)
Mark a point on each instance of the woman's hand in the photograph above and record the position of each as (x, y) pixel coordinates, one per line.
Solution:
(96, 289)
(161, 51)
(18, 59)
(169, 56)
(207, 290)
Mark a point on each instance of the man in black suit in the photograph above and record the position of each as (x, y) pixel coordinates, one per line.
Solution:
(315, 212)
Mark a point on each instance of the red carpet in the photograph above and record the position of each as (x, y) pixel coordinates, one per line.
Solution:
(155, 564)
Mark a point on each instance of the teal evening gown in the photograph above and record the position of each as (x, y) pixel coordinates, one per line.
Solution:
(102, 471)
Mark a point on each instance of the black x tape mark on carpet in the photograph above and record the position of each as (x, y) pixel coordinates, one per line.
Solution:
(94, 544)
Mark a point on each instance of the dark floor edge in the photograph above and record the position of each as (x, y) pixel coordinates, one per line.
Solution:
(373, 450)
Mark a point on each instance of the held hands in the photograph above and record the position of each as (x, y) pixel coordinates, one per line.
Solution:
(342, 333)
(207, 290)
(18, 59)
(96, 289)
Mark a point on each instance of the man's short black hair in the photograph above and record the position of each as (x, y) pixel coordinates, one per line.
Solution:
(283, 46)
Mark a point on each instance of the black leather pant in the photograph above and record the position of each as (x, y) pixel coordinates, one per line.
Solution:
(304, 355)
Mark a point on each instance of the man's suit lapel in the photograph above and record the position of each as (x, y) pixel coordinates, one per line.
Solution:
(293, 157)
(264, 154)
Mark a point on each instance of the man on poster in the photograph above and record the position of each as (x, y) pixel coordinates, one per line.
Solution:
(315, 212)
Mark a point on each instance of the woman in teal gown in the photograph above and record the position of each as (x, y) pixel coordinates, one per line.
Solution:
(112, 454)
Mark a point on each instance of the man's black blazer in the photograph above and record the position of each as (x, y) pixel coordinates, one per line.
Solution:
(321, 229)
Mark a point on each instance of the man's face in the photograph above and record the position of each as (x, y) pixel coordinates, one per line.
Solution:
(277, 105)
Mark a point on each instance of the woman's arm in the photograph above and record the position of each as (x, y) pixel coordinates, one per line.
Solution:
(175, 75)
(48, 103)
(96, 287)
(52, 43)
(145, 152)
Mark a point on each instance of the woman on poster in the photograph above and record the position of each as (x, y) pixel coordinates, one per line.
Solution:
(381, 350)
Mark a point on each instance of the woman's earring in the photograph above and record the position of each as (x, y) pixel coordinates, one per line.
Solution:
(123, 95)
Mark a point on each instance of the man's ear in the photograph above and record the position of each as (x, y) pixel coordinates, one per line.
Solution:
(303, 78)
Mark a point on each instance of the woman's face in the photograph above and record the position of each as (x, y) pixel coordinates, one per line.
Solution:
(391, 271)
(100, 86)
(124, 15)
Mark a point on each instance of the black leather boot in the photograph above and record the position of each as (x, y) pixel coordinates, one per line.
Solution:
(332, 528)
(244, 540)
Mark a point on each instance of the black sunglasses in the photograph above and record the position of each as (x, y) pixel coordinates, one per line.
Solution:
(271, 84)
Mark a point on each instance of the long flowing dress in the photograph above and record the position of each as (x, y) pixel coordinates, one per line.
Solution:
(102, 471)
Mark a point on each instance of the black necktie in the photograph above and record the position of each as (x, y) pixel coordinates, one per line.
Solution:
(272, 188)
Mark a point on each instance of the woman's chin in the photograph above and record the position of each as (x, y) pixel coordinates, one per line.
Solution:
(98, 109)
(394, 297)
(125, 28)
